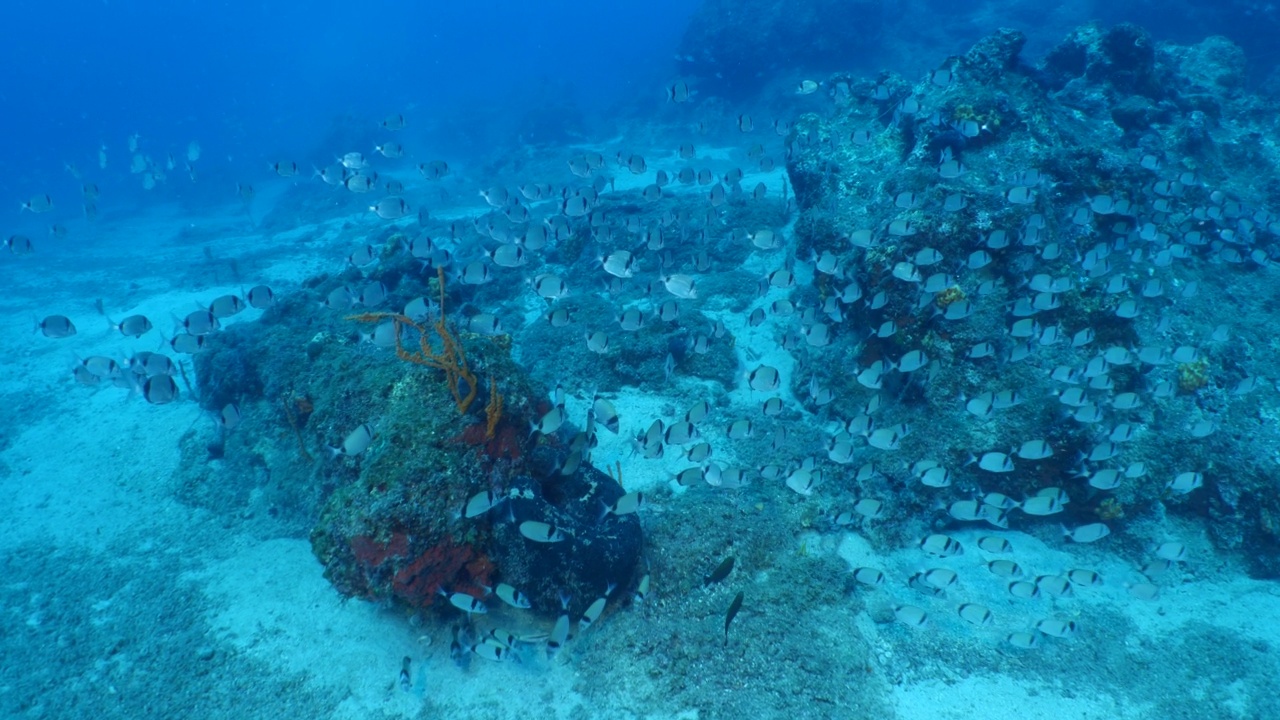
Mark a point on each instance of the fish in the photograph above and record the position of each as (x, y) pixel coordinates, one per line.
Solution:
(594, 610)
(764, 378)
(678, 92)
(260, 297)
(391, 150)
(1171, 551)
(434, 170)
(485, 324)
(720, 572)
(642, 589)
(541, 532)
(226, 306)
(681, 286)
(1084, 578)
(356, 442)
(384, 335)
(605, 413)
(1023, 640)
(390, 208)
(187, 344)
(560, 632)
(994, 462)
(1042, 505)
(806, 87)
(1057, 628)
(406, 682)
(1184, 483)
(868, 576)
(132, 326)
(975, 614)
(995, 545)
(339, 298)
(734, 607)
(360, 183)
(549, 286)
(739, 429)
(19, 245)
(910, 615)
(1055, 585)
(229, 417)
(38, 204)
(362, 256)
(56, 326)
(618, 264)
(468, 604)
(331, 174)
(869, 508)
(481, 503)
(940, 578)
(802, 480)
(550, 421)
(625, 505)
(690, 476)
(941, 546)
(559, 317)
(1105, 479)
(490, 649)
(1144, 591)
(1034, 450)
(160, 390)
(100, 367)
(373, 294)
(1091, 532)
(1004, 568)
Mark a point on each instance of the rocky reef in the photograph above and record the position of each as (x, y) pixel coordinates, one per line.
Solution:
(1107, 113)
(388, 520)
(733, 47)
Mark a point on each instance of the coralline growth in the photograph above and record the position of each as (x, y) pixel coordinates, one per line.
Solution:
(450, 357)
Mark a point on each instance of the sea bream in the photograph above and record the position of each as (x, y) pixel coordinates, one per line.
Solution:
(56, 326)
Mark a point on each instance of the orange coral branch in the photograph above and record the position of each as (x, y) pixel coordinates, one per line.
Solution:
(493, 411)
(450, 357)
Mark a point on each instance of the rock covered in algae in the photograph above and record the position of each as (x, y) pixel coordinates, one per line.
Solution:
(387, 522)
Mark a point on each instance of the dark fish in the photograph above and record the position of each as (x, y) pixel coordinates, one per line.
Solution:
(458, 648)
(734, 607)
(721, 572)
(406, 683)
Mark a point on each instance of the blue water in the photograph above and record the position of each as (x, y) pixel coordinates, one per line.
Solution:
(255, 82)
